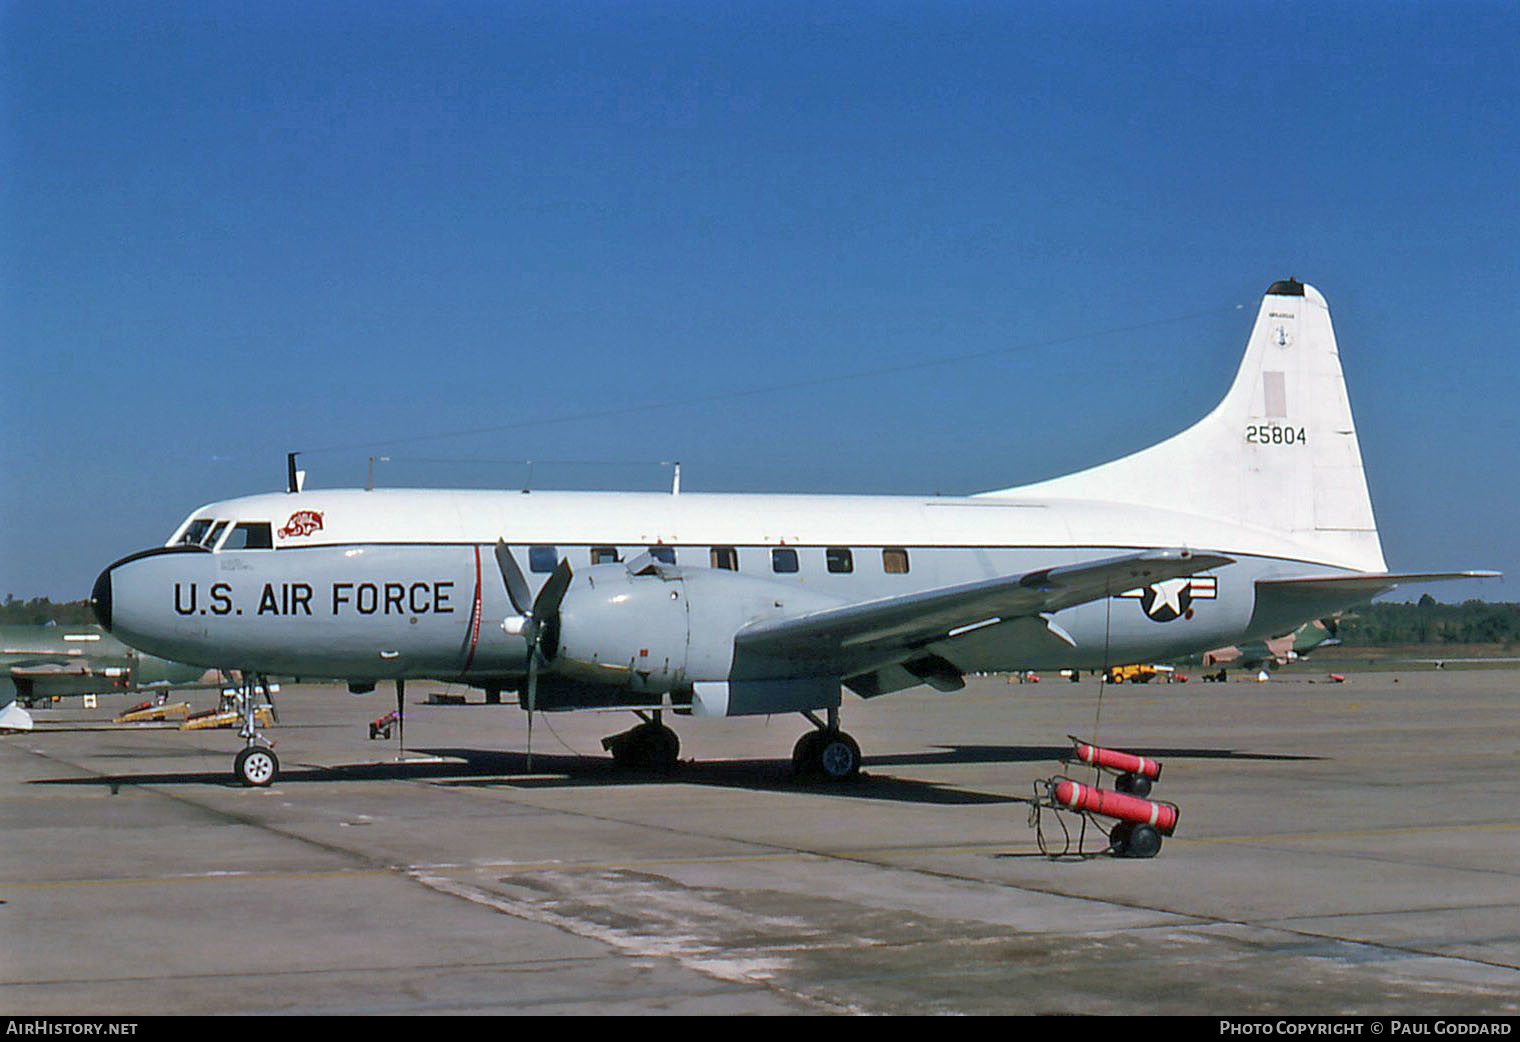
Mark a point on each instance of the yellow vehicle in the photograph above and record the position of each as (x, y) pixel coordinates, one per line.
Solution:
(1141, 674)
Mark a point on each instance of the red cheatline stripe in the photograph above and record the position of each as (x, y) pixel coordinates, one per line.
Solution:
(474, 617)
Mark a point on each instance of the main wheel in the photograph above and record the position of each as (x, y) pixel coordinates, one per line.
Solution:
(652, 747)
(256, 766)
(662, 748)
(805, 753)
(838, 756)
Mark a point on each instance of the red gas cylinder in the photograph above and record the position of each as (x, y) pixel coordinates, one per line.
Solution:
(1126, 763)
(1161, 816)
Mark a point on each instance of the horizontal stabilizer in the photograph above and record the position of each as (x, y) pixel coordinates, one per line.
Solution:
(1370, 583)
(1283, 604)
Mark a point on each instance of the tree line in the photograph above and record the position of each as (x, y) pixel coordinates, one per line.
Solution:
(1428, 621)
(39, 611)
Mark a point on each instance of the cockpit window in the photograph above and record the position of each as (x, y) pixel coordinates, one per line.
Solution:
(250, 535)
(195, 532)
(216, 533)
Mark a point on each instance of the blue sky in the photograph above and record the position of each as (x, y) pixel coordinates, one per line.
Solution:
(602, 233)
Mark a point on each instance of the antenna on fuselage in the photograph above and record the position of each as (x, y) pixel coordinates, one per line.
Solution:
(369, 483)
(293, 477)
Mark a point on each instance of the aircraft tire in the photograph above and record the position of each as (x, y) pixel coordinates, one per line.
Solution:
(653, 747)
(256, 766)
(661, 748)
(838, 757)
(804, 753)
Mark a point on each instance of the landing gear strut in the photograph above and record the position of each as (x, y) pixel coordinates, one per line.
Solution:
(256, 764)
(827, 753)
(650, 746)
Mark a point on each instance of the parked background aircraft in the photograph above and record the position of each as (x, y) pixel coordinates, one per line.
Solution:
(38, 663)
(1277, 651)
(1247, 524)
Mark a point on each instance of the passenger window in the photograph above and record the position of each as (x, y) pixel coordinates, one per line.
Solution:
(840, 560)
(663, 554)
(604, 555)
(726, 558)
(542, 559)
(894, 560)
(783, 560)
(250, 535)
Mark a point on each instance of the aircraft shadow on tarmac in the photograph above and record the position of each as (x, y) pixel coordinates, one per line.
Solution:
(476, 768)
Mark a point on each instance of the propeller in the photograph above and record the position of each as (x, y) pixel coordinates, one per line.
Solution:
(540, 618)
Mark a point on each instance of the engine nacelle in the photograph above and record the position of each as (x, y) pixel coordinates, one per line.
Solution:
(664, 629)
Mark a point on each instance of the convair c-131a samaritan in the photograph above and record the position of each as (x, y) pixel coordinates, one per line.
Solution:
(1244, 526)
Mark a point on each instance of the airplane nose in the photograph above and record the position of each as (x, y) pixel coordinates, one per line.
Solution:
(100, 598)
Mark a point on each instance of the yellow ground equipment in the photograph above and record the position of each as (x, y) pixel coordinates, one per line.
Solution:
(225, 718)
(1141, 674)
(149, 711)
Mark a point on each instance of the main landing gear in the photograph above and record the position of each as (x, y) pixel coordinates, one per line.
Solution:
(650, 746)
(256, 765)
(827, 753)
(824, 754)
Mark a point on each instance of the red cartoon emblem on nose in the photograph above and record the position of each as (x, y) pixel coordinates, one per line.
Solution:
(302, 522)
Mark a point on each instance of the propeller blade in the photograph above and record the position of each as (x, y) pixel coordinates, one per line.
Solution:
(400, 717)
(548, 600)
(512, 578)
(532, 695)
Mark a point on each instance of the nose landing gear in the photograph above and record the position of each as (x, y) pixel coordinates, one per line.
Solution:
(256, 764)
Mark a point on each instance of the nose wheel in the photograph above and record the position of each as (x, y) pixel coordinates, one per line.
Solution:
(256, 766)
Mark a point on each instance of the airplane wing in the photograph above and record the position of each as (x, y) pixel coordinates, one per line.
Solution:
(858, 638)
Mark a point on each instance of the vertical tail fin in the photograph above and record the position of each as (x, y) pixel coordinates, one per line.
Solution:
(1279, 452)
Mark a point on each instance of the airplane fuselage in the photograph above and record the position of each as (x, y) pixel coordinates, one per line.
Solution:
(370, 585)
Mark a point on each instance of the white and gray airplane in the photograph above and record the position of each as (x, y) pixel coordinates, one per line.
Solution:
(1244, 526)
